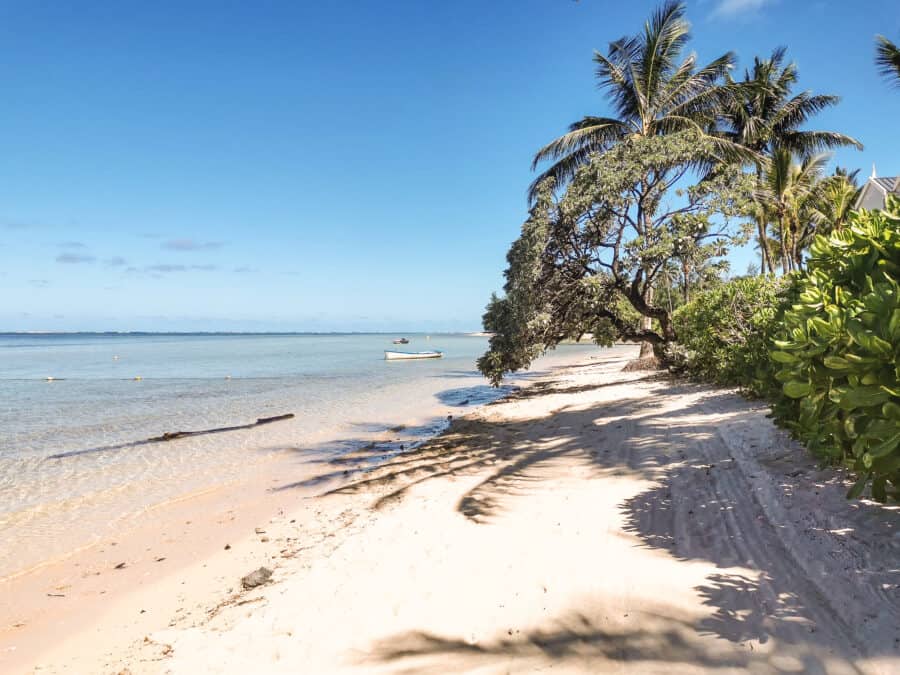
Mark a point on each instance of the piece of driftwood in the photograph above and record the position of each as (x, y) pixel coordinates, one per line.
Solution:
(173, 435)
(276, 418)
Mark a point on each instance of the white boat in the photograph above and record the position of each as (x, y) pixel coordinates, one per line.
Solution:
(395, 356)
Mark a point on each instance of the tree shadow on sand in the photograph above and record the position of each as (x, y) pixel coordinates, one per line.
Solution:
(699, 507)
(580, 642)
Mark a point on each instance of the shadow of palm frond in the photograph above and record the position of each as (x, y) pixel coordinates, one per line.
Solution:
(579, 640)
(699, 506)
(517, 452)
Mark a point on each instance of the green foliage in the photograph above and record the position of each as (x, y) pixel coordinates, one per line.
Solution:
(653, 88)
(838, 352)
(767, 117)
(517, 319)
(590, 262)
(887, 58)
(725, 332)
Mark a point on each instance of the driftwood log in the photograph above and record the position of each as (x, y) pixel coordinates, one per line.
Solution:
(173, 435)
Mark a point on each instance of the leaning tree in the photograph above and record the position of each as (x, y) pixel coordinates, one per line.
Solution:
(654, 89)
(588, 261)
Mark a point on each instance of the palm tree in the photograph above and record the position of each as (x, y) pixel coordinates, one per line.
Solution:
(651, 91)
(765, 117)
(888, 59)
(788, 191)
(835, 200)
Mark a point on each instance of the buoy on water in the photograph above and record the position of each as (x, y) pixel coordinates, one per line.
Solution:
(49, 378)
(116, 357)
(138, 378)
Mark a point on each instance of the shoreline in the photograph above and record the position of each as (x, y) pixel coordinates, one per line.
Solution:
(594, 521)
(54, 596)
(74, 465)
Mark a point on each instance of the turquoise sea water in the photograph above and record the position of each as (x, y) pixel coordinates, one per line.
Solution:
(339, 387)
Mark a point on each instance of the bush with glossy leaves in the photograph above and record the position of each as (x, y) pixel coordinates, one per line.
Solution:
(725, 333)
(838, 352)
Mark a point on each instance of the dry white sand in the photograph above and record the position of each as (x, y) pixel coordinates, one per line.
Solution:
(595, 522)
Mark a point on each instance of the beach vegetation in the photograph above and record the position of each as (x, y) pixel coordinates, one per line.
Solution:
(619, 208)
(838, 351)
(599, 250)
(788, 193)
(725, 333)
(766, 116)
(653, 89)
(835, 198)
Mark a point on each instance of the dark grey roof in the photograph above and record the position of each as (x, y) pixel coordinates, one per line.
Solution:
(887, 183)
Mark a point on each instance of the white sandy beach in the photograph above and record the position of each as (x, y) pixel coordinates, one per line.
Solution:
(594, 522)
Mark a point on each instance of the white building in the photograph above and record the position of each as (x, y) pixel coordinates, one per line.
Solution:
(876, 190)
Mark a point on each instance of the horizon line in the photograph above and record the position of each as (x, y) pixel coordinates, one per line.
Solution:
(221, 332)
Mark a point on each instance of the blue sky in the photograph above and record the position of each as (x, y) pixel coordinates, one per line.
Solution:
(328, 166)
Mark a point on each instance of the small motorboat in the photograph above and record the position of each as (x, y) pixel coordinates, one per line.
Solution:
(401, 341)
(397, 356)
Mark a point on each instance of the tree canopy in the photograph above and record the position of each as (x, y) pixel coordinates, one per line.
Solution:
(653, 89)
(588, 261)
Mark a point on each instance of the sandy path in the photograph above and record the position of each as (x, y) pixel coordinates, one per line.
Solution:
(598, 522)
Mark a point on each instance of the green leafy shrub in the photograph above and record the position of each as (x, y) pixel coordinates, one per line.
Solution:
(838, 351)
(724, 333)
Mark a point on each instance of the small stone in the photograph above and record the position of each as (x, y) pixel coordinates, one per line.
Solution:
(257, 578)
(227, 547)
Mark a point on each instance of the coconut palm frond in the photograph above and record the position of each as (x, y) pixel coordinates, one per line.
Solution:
(592, 133)
(562, 171)
(809, 142)
(651, 87)
(887, 58)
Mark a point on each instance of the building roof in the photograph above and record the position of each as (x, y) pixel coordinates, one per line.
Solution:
(887, 183)
(875, 191)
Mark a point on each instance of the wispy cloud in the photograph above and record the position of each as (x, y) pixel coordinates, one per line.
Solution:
(165, 268)
(39, 283)
(727, 9)
(115, 261)
(190, 245)
(71, 244)
(245, 270)
(74, 258)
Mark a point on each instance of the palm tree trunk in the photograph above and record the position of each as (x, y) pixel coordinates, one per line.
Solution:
(766, 265)
(783, 245)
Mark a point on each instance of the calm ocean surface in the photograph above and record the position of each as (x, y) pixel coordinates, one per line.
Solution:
(338, 386)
